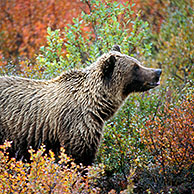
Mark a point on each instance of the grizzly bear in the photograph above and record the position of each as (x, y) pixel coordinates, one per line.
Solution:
(70, 110)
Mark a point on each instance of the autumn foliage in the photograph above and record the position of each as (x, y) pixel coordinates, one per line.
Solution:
(170, 136)
(44, 175)
(23, 25)
(148, 146)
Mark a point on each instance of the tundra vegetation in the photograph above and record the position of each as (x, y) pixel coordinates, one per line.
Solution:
(148, 147)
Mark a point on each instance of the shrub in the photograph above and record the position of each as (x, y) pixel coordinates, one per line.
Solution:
(173, 42)
(168, 138)
(99, 27)
(44, 175)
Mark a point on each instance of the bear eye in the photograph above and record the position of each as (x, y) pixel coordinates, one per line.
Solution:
(136, 67)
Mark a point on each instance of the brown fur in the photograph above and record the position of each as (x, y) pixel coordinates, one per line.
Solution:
(71, 109)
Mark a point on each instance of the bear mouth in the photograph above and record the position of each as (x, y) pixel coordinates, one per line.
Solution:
(153, 84)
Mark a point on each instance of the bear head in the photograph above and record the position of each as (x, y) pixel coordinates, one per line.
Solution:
(124, 74)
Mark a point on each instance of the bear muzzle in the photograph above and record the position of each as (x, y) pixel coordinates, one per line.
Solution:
(156, 79)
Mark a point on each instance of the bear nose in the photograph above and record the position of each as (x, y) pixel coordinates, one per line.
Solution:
(158, 72)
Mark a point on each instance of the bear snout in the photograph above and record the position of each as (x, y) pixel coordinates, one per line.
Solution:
(158, 72)
(154, 79)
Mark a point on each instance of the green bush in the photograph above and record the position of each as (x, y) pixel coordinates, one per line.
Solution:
(102, 25)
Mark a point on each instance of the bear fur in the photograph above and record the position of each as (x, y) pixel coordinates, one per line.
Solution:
(70, 110)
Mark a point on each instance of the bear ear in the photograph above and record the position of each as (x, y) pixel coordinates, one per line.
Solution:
(108, 67)
(116, 48)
